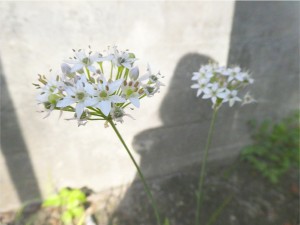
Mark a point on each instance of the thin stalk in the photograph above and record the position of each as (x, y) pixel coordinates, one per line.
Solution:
(101, 67)
(203, 167)
(219, 210)
(146, 187)
(126, 73)
(88, 73)
(111, 70)
(96, 119)
(73, 110)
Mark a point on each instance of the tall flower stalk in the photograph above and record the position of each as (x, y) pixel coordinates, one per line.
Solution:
(203, 166)
(220, 85)
(146, 187)
(95, 86)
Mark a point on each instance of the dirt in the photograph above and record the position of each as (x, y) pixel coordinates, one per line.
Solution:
(251, 200)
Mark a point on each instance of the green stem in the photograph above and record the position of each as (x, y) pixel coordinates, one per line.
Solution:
(203, 167)
(126, 73)
(88, 73)
(146, 187)
(111, 70)
(101, 67)
(219, 210)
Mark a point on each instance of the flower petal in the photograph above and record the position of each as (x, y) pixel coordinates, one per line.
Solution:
(76, 67)
(195, 86)
(79, 109)
(42, 97)
(199, 92)
(92, 69)
(65, 102)
(117, 99)
(105, 107)
(128, 65)
(115, 85)
(90, 101)
(135, 102)
(90, 89)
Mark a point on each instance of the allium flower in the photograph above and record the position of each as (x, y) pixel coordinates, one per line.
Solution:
(231, 97)
(104, 95)
(248, 99)
(82, 60)
(220, 84)
(153, 78)
(213, 91)
(201, 86)
(122, 58)
(131, 91)
(50, 93)
(92, 95)
(81, 94)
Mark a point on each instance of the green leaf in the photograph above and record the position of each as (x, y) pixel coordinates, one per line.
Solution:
(77, 212)
(167, 221)
(275, 148)
(66, 217)
(64, 192)
(53, 201)
(77, 194)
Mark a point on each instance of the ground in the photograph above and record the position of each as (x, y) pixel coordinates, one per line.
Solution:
(252, 200)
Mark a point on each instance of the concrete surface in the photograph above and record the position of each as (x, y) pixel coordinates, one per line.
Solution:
(39, 155)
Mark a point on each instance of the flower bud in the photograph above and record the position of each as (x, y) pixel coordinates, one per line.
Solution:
(65, 68)
(134, 73)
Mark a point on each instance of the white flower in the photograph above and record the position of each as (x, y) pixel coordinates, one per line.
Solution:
(236, 74)
(97, 94)
(221, 70)
(81, 94)
(122, 58)
(202, 77)
(104, 95)
(201, 86)
(248, 99)
(220, 84)
(50, 92)
(154, 79)
(150, 90)
(83, 118)
(248, 79)
(213, 92)
(130, 91)
(206, 68)
(231, 97)
(82, 60)
(117, 113)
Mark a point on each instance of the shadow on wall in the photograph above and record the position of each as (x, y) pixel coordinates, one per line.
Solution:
(264, 39)
(14, 149)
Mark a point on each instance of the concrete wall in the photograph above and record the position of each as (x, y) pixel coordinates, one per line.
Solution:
(38, 154)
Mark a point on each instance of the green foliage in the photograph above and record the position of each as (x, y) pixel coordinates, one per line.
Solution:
(70, 201)
(166, 221)
(276, 147)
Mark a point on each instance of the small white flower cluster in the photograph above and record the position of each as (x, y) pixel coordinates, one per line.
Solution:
(93, 92)
(221, 84)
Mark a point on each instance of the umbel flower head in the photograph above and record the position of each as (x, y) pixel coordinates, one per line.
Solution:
(95, 86)
(221, 84)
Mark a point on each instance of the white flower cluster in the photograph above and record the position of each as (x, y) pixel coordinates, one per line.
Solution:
(221, 84)
(96, 86)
